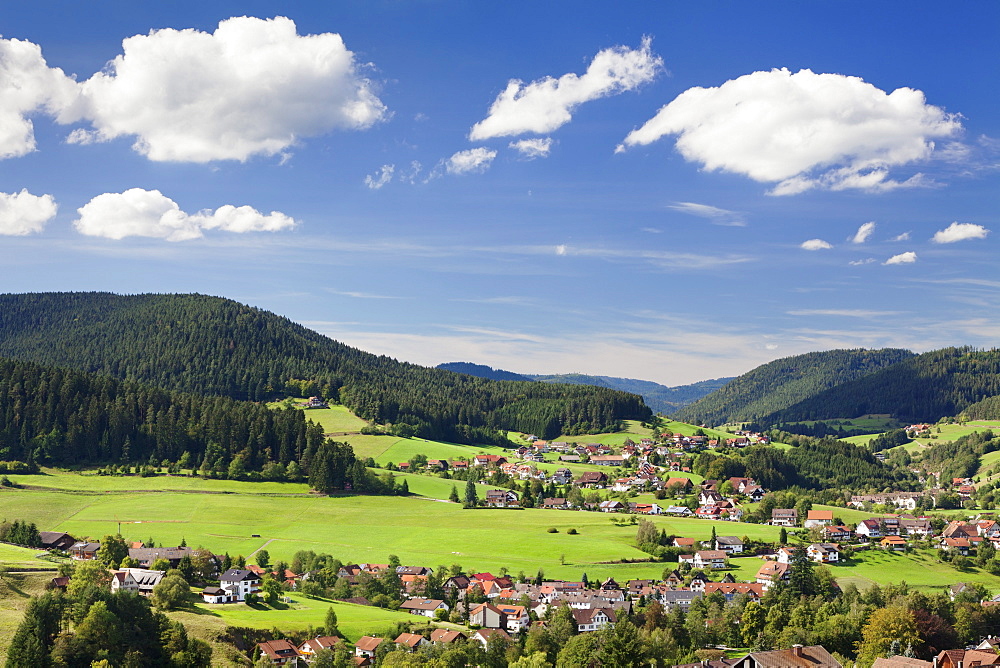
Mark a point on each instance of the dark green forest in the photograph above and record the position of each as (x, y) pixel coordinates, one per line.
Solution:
(217, 347)
(776, 385)
(923, 388)
(59, 416)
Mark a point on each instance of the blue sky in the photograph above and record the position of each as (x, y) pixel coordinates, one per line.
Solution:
(667, 191)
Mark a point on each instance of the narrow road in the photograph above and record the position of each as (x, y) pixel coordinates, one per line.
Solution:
(271, 540)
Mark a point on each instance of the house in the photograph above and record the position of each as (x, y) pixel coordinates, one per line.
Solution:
(818, 518)
(239, 583)
(960, 545)
(592, 479)
(315, 402)
(502, 498)
(366, 646)
(309, 648)
(814, 656)
(593, 619)
(410, 640)
(56, 540)
(709, 559)
(139, 580)
(677, 598)
(607, 460)
(870, 529)
(824, 553)
(483, 636)
(446, 636)
(729, 544)
(426, 607)
(488, 617)
(784, 517)
(772, 572)
(900, 662)
(123, 581)
(145, 556)
(918, 526)
(517, 617)
(684, 542)
(84, 551)
(279, 652)
(216, 595)
(965, 658)
(612, 506)
(555, 504)
(894, 543)
(753, 590)
(710, 497)
(488, 460)
(837, 533)
(678, 511)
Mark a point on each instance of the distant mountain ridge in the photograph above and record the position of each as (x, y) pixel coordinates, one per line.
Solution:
(482, 371)
(775, 386)
(660, 398)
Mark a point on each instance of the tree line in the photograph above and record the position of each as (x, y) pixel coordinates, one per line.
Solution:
(218, 347)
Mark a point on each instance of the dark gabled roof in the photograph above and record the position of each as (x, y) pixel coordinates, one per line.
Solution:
(238, 575)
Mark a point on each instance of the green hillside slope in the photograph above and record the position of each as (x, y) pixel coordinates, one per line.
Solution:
(215, 346)
(781, 383)
(919, 389)
(660, 398)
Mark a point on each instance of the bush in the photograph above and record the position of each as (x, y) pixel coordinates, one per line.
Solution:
(572, 532)
(553, 530)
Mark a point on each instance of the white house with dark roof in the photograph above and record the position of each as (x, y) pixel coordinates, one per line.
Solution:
(239, 583)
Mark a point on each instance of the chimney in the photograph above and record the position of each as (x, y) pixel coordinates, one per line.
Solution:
(797, 650)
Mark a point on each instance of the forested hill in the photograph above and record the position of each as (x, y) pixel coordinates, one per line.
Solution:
(782, 383)
(214, 346)
(481, 371)
(922, 388)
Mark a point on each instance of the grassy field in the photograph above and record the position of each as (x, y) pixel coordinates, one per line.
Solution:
(15, 592)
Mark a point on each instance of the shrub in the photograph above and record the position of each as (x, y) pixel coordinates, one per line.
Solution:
(553, 530)
(572, 532)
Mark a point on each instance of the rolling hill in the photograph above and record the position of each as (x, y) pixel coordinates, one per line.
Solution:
(215, 346)
(779, 384)
(922, 388)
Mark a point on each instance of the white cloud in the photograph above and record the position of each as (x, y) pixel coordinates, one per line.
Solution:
(533, 148)
(252, 87)
(547, 104)
(23, 213)
(905, 236)
(149, 213)
(815, 244)
(27, 85)
(959, 232)
(380, 178)
(859, 263)
(713, 213)
(908, 257)
(802, 131)
(472, 160)
(864, 233)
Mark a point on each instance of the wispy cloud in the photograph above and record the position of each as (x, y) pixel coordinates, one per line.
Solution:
(713, 213)
(864, 233)
(381, 177)
(532, 148)
(847, 313)
(815, 245)
(359, 295)
(858, 263)
(905, 236)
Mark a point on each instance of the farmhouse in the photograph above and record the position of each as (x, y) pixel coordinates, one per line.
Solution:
(56, 540)
(239, 583)
(818, 518)
(502, 498)
(279, 652)
(145, 556)
(784, 517)
(426, 607)
(138, 580)
(592, 479)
